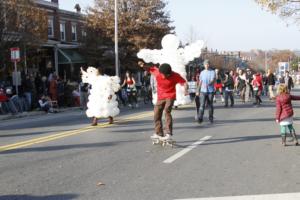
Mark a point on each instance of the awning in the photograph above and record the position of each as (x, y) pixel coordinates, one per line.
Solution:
(69, 56)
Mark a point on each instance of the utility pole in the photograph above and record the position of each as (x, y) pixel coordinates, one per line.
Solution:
(116, 40)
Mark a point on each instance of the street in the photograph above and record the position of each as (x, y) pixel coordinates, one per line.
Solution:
(60, 156)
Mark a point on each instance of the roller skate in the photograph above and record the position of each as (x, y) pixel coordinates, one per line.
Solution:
(167, 141)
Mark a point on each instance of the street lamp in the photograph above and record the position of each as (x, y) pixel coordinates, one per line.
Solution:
(116, 40)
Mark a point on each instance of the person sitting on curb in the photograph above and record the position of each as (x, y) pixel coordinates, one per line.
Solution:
(6, 104)
(44, 103)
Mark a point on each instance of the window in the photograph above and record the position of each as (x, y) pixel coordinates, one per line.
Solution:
(63, 31)
(83, 33)
(50, 27)
(74, 32)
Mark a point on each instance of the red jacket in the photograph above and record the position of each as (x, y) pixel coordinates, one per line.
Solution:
(166, 87)
(3, 97)
(284, 108)
(257, 82)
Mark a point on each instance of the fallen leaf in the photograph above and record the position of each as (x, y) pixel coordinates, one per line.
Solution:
(100, 184)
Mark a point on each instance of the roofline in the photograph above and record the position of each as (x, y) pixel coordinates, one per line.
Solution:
(47, 3)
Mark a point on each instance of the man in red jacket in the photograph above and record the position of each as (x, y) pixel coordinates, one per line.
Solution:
(166, 95)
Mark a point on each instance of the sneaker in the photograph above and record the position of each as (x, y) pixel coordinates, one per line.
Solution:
(155, 136)
(136, 105)
(200, 121)
(129, 105)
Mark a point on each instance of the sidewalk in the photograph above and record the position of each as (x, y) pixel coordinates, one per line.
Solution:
(32, 113)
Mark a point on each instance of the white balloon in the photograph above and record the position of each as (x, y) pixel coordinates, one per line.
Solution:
(176, 57)
(102, 87)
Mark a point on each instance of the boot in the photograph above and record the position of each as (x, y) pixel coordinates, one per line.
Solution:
(95, 121)
(111, 120)
(283, 138)
(292, 136)
(295, 138)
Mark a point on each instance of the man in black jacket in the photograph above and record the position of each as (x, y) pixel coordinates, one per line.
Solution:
(229, 88)
(271, 83)
(288, 81)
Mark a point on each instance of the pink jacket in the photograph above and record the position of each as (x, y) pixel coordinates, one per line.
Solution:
(284, 108)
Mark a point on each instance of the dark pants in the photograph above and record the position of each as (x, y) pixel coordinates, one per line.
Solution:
(229, 94)
(161, 106)
(45, 108)
(132, 97)
(119, 93)
(257, 97)
(206, 99)
(197, 101)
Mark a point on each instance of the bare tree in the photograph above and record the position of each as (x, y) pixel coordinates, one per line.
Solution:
(142, 24)
(287, 9)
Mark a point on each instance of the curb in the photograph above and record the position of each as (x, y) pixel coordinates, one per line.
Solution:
(32, 114)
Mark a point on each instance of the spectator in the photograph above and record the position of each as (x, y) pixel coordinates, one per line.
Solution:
(68, 96)
(44, 103)
(288, 81)
(130, 82)
(257, 87)
(241, 84)
(271, 79)
(83, 91)
(249, 88)
(60, 92)
(6, 105)
(229, 88)
(206, 90)
(76, 97)
(53, 88)
(28, 87)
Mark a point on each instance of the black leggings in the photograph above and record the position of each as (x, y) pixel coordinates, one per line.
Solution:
(257, 97)
(132, 97)
(197, 101)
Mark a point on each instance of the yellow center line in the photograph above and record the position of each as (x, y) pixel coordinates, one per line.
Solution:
(69, 133)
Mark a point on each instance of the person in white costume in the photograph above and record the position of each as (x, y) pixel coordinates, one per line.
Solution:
(102, 101)
(176, 57)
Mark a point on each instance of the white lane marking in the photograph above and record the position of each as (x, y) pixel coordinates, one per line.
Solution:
(186, 150)
(286, 196)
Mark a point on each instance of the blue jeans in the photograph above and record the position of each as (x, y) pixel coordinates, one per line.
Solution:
(206, 99)
(28, 97)
(229, 94)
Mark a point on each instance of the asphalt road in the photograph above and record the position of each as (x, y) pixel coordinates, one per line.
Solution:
(60, 156)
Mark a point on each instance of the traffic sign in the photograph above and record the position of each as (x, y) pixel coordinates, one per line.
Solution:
(15, 54)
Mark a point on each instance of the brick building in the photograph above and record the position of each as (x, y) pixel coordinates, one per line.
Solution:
(65, 31)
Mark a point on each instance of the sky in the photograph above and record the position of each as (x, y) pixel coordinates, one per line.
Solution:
(225, 25)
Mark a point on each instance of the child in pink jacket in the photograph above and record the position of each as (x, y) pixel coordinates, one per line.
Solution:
(284, 113)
